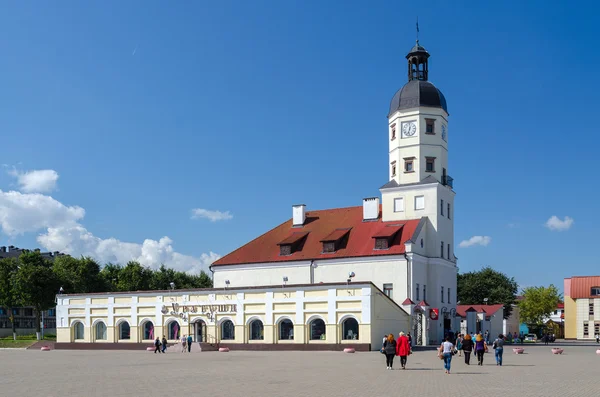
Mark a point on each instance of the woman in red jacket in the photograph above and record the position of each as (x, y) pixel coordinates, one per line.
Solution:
(402, 349)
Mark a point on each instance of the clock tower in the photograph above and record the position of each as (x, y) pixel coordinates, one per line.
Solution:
(419, 183)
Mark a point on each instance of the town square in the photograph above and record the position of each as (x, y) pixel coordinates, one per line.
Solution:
(138, 373)
(289, 198)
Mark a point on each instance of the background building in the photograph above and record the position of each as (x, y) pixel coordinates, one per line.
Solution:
(24, 317)
(582, 307)
(481, 318)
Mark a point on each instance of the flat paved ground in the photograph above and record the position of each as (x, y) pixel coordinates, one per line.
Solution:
(125, 373)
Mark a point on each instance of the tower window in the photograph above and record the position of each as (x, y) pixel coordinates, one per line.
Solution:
(393, 131)
(409, 164)
(418, 292)
(448, 251)
(430, 164)
(442, 295)
(448, 211)
(420, 202)
(388, 289)
(424, 292)
(442, 207)
(442, 251)
(430, 126)
(448, 301)
(399, 204)
(393, 168)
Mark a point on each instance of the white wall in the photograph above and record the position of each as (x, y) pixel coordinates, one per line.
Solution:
(386, 318)
(262, 274)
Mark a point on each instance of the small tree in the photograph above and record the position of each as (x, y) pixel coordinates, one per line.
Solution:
(538, 304)
(8, 293)
(36, 285)
(474, 287)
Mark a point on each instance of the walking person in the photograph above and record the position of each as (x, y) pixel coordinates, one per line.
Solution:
(445, 350)
(459, 341)
(480, 348)
(157, 345)
(597, 338)
(499, 349)
(183, 343)
(189, 343)
(467, 348)
(402, 349)
(164, 343)
(409, 340)
(389, 348)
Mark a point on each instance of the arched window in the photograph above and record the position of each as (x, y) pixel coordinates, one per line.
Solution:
(350, 329)
(100, 331)
(317, 329)
(78, 330)
(124, 330)
(173, 330)
(256, 330)
(227, 330)
(286, 329)
(148, 330)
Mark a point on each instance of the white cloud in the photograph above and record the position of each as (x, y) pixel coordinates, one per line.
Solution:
(41, 181)
(61, 230)
(213, 216)
(555, 224)
(475, 240)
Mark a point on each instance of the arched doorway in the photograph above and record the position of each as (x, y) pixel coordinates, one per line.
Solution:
(199, 331)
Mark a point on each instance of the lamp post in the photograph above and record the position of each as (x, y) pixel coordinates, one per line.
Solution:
(285, 280)
(350, 277)
(227, 284)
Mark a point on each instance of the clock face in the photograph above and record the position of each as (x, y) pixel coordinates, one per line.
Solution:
(443, 132)
(409, 128)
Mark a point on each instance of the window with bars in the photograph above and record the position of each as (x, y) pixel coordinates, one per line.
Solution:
(591, 311)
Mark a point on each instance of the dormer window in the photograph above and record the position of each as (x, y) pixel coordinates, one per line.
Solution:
(335, 240)
(293, 243)
(595, 291)
(386, 236)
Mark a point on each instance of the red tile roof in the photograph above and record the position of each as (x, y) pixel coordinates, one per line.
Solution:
(489, 310)
(320, 225)
(293, 238)
(581, 287)
(336, 235)
(407, 301)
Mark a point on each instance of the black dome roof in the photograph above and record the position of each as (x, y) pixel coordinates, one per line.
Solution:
(417, 93)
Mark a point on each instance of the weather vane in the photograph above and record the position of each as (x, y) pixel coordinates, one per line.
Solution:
(417, 30)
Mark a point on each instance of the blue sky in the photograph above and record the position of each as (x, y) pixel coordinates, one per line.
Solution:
(147, 111)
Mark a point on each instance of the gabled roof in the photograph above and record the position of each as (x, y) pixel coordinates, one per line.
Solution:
(319, 225)
(489, 310)
(293, 238)
(336, 235)
(581, 287)
(407, 301)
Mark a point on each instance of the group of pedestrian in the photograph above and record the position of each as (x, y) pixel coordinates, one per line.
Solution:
(392, 348)
(160, 346)
(466, 345)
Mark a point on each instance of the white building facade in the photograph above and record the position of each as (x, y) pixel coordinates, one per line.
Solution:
(403, 243)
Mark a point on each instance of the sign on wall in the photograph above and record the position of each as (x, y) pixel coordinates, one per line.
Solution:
(208, 310)
(434, 314)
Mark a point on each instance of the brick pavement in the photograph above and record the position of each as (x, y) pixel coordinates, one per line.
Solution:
(248, 374)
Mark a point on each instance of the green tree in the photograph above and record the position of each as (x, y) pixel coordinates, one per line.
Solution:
(134, 277)
(78, 275)
(36, 284)
(538, 303)
(8, 293)
(498, 288)
(109, 275)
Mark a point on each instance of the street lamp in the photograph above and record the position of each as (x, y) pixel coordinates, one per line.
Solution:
(285, 280)
(227, 283)
(350, 277)
(172, 284)
(485, 300)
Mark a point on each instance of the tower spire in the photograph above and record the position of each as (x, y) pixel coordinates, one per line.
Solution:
(417, 29)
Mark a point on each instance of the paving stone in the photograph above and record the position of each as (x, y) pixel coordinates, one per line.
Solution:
(139, 373)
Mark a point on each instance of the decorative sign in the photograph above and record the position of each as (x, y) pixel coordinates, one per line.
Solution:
(208, 310)
(433, 314)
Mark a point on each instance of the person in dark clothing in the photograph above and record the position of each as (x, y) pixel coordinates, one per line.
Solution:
(157, 345)
(467, 348)
(164, 344)
(189, 343)
(389, 348)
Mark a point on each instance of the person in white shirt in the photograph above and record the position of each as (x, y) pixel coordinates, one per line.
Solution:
(445, 350)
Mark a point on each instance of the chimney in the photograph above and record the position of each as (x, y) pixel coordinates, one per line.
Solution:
(298, 214)
(11, 247)
(3, 249)
(371, 209)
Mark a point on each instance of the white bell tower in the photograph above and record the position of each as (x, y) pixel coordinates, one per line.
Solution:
(419, 183)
